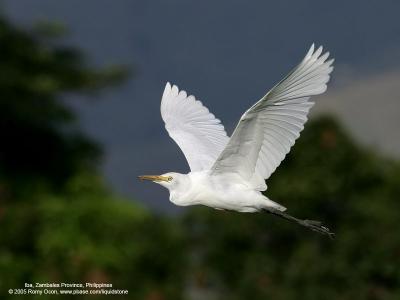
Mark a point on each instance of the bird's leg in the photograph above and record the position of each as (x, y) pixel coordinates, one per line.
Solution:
(313, 225)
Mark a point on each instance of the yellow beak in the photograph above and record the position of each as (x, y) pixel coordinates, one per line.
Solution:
(154, 178)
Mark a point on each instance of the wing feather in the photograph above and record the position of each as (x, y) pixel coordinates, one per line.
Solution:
(197, 132)
(267, 131)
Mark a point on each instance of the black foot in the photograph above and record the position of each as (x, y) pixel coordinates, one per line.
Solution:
(318, 227)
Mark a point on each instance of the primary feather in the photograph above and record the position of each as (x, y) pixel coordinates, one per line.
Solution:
(267, 131)
(197, 132)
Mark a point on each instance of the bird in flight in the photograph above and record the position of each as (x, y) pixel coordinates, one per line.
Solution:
(229, 173)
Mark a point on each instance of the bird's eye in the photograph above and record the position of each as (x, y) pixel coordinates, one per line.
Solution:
(169, 178)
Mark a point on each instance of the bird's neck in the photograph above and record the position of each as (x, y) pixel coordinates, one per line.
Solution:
(181, 192)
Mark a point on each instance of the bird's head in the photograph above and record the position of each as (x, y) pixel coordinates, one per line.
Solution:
(169, 180)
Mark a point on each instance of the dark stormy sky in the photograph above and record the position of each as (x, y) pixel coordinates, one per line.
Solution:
(228, 54)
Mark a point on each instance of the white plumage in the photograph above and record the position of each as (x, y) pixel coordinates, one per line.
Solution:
(197, 132)
(229, 173)
(267, 131)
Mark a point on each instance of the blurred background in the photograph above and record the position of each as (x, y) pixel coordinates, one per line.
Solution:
(80, 89)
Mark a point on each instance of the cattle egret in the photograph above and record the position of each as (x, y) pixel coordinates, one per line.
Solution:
(230, 173)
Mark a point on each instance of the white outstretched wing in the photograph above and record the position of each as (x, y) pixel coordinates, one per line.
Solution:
(267, 131)
(197, 132)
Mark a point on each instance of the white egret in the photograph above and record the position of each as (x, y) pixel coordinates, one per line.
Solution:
(230, 173)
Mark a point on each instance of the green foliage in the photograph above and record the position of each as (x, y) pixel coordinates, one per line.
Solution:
(88, 235)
